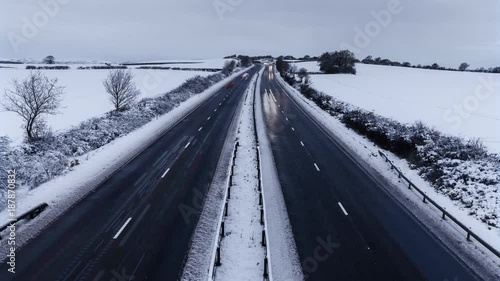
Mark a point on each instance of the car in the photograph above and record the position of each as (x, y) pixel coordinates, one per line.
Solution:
(229, 85)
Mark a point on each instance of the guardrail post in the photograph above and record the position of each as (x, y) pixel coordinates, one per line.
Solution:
(217, 260)
(263, 238)
(445, 214)
(266, 269)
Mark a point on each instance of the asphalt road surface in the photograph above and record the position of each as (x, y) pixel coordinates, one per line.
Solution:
(345, 226)
(137, 225)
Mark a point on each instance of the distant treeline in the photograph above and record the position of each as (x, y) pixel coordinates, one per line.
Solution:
(56, 67)
(160, 63)
(462, 67)
(10, 62)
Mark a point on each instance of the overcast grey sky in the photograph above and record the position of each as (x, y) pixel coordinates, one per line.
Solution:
(419, 31)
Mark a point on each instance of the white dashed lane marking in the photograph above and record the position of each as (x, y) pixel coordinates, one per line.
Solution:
(122, 228)
(317, 168)
(345, 212)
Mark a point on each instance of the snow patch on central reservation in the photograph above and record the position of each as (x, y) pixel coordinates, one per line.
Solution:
(242, 255)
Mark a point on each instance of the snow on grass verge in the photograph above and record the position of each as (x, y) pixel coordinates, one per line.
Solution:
(284, 261)
(64, 191)
(364, 152)
(242, 255)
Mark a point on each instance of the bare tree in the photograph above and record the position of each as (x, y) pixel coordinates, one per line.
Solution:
(463, 66)
(49, 60)
(32, 99)
(228, 67)
(302, 72)
(339, 62)
(121, 89)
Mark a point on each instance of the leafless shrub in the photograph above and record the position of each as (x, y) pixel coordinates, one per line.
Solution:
(121, 89)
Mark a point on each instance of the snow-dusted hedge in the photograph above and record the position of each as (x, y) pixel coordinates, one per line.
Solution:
(40, 161)
(102, 67)
(461, 169)
(56, 67)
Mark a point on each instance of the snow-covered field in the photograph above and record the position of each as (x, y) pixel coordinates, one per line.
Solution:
(457, 103)
(190, 63)
(85, 96)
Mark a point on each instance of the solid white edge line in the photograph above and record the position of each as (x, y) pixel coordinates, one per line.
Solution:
(317, 168)
(166, 172)
(122, 228)
(343, 210)
(187, 145)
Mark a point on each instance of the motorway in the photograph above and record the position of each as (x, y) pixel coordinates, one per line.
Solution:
(138, 224)
(345, 225)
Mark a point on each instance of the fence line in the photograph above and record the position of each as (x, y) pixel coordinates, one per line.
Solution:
(264, 238)
(267, 275)
(445, 214)
(216, 258)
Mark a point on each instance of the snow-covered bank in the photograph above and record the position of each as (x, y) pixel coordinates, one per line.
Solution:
(285, 262)
(242, 255)
(64, 191)
(458, 103)
(365, 153)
